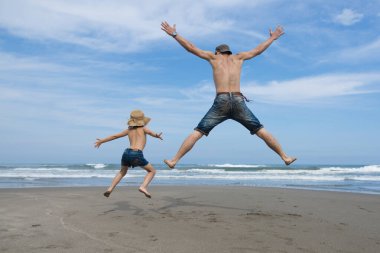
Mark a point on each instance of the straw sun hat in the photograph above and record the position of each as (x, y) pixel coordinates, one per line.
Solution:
(138, 119)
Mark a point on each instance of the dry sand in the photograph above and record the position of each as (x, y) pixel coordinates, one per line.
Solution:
(188, 219)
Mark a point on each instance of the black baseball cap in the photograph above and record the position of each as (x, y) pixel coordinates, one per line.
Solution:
(223, 48)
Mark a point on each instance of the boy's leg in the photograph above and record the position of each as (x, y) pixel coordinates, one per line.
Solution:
(148, 178)
(116, 180)
(274, 145)
(186, 146)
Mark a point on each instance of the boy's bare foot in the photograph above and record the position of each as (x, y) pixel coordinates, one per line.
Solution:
(107, 194)
(146, 193)
(289, 160)
(170, 164)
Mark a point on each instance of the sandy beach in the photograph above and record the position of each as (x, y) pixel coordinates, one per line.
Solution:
(188, 219)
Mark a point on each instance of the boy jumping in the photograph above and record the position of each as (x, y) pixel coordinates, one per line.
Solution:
(133, 156)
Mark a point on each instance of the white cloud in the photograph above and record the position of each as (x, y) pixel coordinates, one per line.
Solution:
(10, 62)
(125, 26)
(305, 90)
(314, 89)
(40, 89)
(356, 55)
(348, 17)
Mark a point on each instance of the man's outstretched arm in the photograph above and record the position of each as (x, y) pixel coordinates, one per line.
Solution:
(171, 30)
(263, 46)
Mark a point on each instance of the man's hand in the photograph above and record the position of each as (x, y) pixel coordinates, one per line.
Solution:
(167, 28)
(277, 33)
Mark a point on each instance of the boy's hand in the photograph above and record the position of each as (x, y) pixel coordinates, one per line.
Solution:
(98, 143)
(159, 136)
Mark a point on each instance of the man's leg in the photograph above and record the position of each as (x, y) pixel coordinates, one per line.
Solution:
(116, 180)
(217, 114)
(186, 146)
(274, 145)
(148, 178)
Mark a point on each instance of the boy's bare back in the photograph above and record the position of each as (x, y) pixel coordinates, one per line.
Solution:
(137, 137)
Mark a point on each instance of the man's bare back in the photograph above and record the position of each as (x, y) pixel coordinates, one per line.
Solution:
(226, 72)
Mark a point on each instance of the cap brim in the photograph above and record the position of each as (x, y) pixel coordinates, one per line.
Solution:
(224, 52)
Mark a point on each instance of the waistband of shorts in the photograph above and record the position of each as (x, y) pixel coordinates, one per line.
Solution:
(233, 93)
(135, 150)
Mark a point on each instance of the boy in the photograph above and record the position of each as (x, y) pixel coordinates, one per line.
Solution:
(133, 156)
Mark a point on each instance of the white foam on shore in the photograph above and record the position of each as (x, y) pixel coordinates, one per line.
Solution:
(333, 173)
(97, 165)
(228, 165)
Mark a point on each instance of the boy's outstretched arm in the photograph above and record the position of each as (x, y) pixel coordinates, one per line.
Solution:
(151, 133)
(190, 47)
(110, 138)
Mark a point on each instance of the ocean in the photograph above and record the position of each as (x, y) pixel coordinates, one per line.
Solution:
(350, 178)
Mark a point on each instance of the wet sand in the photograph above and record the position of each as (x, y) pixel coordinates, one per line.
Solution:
(188, 219)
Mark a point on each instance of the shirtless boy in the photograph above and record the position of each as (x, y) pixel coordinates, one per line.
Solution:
(133, 156)
(229, 102)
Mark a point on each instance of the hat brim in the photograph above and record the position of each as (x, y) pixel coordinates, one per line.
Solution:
(138, 122)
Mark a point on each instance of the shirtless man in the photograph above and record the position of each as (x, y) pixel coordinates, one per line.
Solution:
(133, 156)
(229, 102)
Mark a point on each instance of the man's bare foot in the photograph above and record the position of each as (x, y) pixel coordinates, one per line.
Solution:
(289, 160)
(107, 194)
(146, 193)
(170, 164)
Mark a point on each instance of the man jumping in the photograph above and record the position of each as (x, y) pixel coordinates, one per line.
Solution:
(229, 102)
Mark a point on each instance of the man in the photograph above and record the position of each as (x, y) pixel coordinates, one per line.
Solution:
(229, 102)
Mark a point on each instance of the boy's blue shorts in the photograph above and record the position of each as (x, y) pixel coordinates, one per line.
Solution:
(133, 158)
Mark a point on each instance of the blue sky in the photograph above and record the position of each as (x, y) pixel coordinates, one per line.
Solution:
(71, 71)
